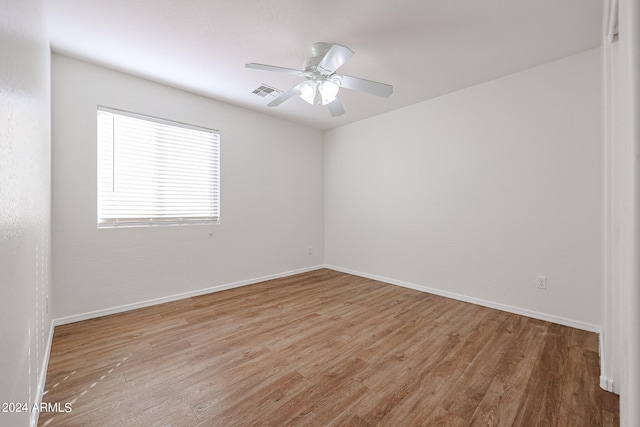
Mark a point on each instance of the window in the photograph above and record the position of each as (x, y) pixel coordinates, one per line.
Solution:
(156, 172)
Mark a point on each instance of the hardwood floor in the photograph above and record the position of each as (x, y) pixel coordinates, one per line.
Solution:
(324, 349)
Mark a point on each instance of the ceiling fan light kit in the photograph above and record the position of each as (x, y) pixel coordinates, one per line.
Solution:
(328, 91)
(319, 92)
(308, 91)
(323, 84)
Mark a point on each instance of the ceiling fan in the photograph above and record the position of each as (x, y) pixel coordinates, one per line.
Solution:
(322, 84)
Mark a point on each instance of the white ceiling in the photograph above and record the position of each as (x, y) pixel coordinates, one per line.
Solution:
(424, 48)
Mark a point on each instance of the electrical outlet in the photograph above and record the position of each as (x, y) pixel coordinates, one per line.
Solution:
(541, 282)
(309, 250)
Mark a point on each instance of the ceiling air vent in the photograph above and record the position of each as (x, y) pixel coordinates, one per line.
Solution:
(266, 91)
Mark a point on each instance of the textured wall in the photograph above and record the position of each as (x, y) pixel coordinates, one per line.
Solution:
(271, 198)
(629, 142)
(479, 191)
(25, 193)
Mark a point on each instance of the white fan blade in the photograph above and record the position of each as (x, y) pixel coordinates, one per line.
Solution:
(277, 69)
(286, 95)
(368, 86)
(335, 108)
(334, 59)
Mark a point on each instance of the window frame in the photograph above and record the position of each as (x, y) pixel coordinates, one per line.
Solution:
(109, 221)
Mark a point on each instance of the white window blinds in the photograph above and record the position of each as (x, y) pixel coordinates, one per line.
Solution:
(153, 171)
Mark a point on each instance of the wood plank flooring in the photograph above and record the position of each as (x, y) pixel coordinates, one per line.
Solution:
(324, 349)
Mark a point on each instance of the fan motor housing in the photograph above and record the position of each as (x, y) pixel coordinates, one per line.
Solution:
(318, 50)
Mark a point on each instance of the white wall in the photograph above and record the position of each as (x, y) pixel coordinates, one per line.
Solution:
(25, 209)
(475, 193)
(615, 190)
(271, 200)
(628, 168)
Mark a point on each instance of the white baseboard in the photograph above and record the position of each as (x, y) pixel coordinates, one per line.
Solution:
(498, 306)
(606, 383)
(43, 375)
(127, 307)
